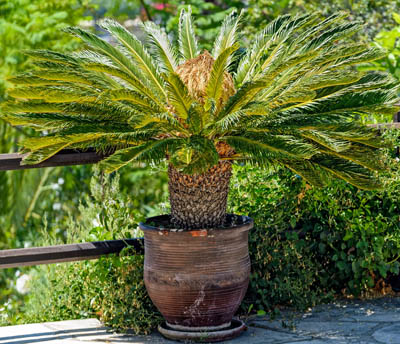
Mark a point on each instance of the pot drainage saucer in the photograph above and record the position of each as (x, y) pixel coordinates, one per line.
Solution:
(204, 336)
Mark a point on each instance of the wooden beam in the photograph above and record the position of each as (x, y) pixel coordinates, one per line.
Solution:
(385, 125)
(65, 253)
(64, 158)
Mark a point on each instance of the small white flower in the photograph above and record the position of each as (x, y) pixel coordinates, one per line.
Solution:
(60, 181)
(21, 284)
(54, 186)
(95, 223)
(56, 206)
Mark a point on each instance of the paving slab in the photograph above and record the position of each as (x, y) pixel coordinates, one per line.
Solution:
(345, 322)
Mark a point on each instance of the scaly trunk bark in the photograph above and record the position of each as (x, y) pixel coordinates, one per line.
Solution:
(199, 200)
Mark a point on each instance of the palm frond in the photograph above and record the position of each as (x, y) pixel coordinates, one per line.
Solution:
(187, 41)
(243, 96)
(52, 56)
(178, 95)
(195, 155)
(43, 148)
(263, 145)
(268, 45)
(166, 53)
(138, 53)
(334, 34)
(43, 153)
(55, 94)
(228, 33)
(308, 170)
(29, 79)
(349, 171)
(196, 118)
(151, 151)
(141, 102)
(326, 140)
(117, 58)
(215, 82)
(130, 81)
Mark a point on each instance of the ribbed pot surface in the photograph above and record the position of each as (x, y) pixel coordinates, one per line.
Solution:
(196, 278)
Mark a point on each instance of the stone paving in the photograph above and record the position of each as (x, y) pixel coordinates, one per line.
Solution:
(359, 322)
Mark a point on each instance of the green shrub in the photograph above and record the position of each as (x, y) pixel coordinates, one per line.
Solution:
(311, 243)
(110, 288)
(285, 270)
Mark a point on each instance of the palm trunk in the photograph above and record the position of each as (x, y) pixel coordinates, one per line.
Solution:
(199, 200)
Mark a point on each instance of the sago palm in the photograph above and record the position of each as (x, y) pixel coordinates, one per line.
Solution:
(291, 99)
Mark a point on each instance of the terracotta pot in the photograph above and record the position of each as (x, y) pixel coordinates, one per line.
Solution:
(197, 279)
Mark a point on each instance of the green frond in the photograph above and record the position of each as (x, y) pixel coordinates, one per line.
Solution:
(178, 95)
(257, 108)
(349, 171)
(252, 58)
(152, 151)
(117, 58)
(367, 101)
(241, 98)
(103, 110)
(326, 140)
(260, 146)
(52, 56)
(322, 26)
(369, 55)
(54, 94)
(360, 155)
(168, 124)
(329, 56)
(104, 48)
(215, 82)
(269, 46)
(130, 81)
(68, 76)
(196, 154)
(35, 143)
(196, 118)
(354, 132)
(275, 65)
(334, 78)
(59, 122)
(28, 79)
(38, 121)
(308, 170)
(11, 108)
(296, 93)
(133, 97)
(187, 40)
(334, 34)
(228, 33)
(136, 50)
(226, 124)
(42, 148)
(43, 154)
(92, 78)
(164, 51)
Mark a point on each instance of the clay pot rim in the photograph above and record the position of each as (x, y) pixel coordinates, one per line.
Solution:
(246, 225)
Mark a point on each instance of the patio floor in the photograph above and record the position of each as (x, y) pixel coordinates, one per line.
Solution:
(362, 322)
